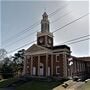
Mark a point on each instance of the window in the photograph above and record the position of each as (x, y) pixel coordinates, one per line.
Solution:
(57, 69)
(41, 67)
(57, 58)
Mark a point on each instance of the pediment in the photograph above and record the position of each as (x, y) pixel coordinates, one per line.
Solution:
(35, 48)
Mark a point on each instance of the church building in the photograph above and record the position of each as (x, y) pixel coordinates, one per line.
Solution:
(44, 59)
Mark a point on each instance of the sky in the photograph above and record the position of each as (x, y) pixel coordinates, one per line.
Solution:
(17, 16)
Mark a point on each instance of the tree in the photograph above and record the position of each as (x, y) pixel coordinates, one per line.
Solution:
(3, 53)
(6, 69)
(18, 61)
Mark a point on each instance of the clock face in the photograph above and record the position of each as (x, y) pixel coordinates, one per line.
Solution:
(41, 40)
(49, 41)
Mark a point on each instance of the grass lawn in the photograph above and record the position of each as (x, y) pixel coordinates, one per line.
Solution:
(38, 85)
(5, 82)
(31, 85)
(41, 85)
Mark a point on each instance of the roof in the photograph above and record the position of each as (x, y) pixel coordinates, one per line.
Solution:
(45, 14)
(84, 58)
(81, 58)
(37, 49)
(61, 47)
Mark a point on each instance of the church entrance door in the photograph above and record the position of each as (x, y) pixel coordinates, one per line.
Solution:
(34, 71)
(41, 69)
(48, 71)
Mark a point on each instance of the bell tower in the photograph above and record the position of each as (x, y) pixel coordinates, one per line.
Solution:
(45, 37)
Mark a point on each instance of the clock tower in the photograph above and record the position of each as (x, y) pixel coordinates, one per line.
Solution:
(45, 37)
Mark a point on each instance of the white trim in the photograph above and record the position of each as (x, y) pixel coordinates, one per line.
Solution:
(39, 52)
(44, 34)
(56, 69)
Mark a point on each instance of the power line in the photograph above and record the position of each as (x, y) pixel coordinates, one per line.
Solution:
(55, 30)
(79, 41)
(21, 39)
(34, 25)
(71, 22)
(61, 17)
(51, 14)
(35, 41)
(37, 30)
(23, 32)
(75, 39)
(22, 46)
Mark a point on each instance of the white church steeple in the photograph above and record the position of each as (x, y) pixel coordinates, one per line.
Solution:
(45, 37)
(45, 23)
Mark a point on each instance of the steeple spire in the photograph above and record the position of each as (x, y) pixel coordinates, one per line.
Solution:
(45, 16)
(44, 23)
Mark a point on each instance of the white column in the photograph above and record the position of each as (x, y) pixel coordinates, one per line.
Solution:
(38, 65)
(52, 64)
(46, 65)
(31, 64)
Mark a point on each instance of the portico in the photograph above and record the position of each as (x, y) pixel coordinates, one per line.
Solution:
(40, 65)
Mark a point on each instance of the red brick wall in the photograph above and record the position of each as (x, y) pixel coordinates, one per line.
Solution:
(54, 65)
(35, 63)
(28, 61)
(58, 62)
(61, 64)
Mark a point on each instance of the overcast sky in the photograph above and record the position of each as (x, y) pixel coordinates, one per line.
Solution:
(16, 16)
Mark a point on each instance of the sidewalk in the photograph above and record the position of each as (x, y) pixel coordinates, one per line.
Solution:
(75, 86)
(72, 85)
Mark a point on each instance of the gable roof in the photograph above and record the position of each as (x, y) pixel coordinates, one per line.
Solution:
(37, 49)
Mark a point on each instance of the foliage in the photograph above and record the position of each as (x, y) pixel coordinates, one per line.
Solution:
(7, 82)
(11, 66)
(18, 61)
(6, 69)
(3, 53)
